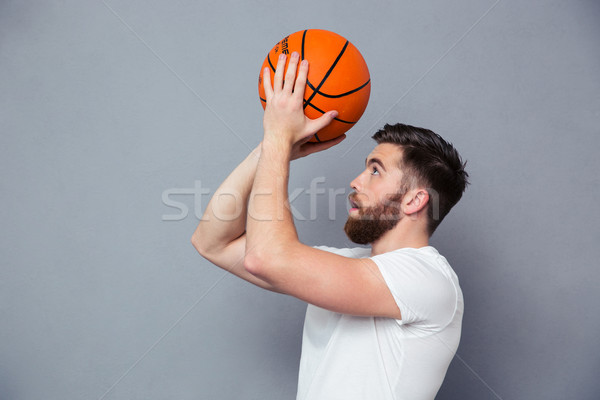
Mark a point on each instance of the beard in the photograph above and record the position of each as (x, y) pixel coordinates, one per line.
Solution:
(372, 222)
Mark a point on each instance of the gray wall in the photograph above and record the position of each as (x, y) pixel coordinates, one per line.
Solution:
(110, 108)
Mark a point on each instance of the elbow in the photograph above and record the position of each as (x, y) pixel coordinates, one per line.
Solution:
(261, 263)
(254, 264)
(265, 263)
(198, 245)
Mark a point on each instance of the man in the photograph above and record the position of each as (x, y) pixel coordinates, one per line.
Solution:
(384, 322)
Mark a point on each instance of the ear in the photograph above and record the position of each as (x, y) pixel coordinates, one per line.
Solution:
(414, 201)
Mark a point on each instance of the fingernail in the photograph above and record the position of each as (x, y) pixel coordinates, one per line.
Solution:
(295, 55)
(334, 114)
(282, 56)
(304, 63)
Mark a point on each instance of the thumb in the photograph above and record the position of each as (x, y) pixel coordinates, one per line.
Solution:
(316, 125)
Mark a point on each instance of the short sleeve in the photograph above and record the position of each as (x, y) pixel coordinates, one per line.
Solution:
(424, 294)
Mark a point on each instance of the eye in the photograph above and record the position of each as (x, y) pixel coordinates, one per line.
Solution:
(375, 171)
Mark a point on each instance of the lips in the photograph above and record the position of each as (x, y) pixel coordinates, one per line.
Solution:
(353, 203)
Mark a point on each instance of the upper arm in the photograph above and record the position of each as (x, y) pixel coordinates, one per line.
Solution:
(330, 281)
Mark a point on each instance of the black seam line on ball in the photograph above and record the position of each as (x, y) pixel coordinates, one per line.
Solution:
(334, 96)
(314, 93)
(261, 99)
(303, 40)
(336, 118)
(317, 137)
(270, 63)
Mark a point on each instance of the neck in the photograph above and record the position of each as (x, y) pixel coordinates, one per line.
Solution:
(403, 235)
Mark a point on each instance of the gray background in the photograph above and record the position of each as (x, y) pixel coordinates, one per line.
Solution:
(106, 107)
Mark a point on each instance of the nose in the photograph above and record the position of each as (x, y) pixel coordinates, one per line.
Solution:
(356, 183)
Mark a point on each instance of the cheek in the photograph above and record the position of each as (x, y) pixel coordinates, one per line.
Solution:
(380, 191)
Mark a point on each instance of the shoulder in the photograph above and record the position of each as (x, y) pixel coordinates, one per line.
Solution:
(422, 282)
(425, 261)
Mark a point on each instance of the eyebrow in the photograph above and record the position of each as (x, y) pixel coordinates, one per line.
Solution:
(374, 160)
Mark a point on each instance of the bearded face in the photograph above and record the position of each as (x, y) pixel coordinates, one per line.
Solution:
(370, 223)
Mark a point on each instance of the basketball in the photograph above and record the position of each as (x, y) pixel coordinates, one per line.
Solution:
(338, 78)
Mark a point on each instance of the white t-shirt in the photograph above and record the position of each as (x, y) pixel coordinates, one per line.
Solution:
(372, 358)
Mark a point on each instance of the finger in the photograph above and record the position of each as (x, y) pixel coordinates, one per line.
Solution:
(310, 147)
(320, 146)
(300, 84)
(267, 83)
(290, 75)
(316, 125)
(278, 78)
(334, 141)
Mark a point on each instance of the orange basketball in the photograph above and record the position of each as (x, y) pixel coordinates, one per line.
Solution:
(338, 78)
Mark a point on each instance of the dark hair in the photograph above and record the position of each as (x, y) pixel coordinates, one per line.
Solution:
(428, 160)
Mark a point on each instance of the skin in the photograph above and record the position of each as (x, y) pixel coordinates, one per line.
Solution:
(249, 231)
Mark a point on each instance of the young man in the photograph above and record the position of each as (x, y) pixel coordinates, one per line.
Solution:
(384, 322)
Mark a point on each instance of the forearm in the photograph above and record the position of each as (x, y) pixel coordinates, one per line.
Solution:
(224, 219)
(270, 227)
(271, 236)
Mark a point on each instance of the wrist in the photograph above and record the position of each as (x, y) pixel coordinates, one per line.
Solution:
(277, 144)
